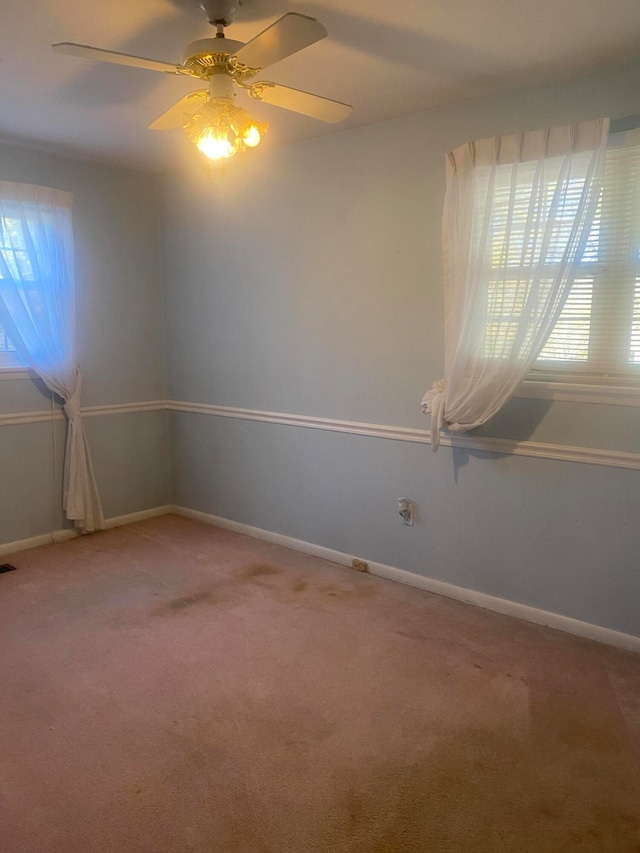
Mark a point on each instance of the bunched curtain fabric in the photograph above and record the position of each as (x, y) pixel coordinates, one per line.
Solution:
(37, 311)
(517, 216)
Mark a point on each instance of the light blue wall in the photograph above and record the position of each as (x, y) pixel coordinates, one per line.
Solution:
(307, 280)
(119, 322)
(555, 535)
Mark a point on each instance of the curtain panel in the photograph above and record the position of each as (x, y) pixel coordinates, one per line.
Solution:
(517, 215)
(37, 311)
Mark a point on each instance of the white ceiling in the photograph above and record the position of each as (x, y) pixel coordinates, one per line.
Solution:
(427, 52)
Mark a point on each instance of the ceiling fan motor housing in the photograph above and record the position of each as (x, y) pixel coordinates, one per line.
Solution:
(203, 48)
(220, 11)
(207, 58)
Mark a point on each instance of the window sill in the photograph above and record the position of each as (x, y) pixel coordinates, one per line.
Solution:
(574, 392)
(16, 373)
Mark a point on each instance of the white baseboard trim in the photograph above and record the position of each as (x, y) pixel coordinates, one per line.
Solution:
(479, 599)
(36, 541)
(142, 515)
(469, 596)
(62, 535)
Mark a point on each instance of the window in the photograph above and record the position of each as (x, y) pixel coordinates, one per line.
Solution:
(8, 355)
(13, 248)
(597, 335)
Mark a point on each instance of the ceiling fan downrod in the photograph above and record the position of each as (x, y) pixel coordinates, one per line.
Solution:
(220, 13)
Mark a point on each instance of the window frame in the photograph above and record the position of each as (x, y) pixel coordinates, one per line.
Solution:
(566, 389)
(12, 365)
(577, 381)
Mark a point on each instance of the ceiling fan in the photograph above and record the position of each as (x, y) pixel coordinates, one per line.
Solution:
(209, 116)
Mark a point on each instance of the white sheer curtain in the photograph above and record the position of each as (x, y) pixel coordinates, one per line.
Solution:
(37, 311)
(517, 216)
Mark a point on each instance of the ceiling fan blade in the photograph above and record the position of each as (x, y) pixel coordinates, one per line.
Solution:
(99, 55)
(175, 115)
(287, 35)
(314, 106)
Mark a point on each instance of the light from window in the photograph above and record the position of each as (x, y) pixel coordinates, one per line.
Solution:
(13, 248)
(5, 343)
(598, 329)
(9, 357)
(634, 348)
(569, 340)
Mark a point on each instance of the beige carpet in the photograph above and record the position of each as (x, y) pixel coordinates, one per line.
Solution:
(168, 687)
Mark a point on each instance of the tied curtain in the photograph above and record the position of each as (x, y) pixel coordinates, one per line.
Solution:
(37, 311)
(517, 216)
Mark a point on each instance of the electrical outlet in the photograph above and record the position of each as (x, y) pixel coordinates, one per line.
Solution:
(405, 511)
(360, 565)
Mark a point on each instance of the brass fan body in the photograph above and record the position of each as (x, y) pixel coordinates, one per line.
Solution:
(205, 58)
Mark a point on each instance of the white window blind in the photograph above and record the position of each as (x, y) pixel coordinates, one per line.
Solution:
(597, 333)
(12, 246)
(5, 343)
(9, 358)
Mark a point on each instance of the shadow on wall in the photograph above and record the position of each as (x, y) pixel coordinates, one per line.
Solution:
(517, 421)
(46, 393)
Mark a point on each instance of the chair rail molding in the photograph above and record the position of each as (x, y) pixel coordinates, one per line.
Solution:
(498, 446)
(55, 414)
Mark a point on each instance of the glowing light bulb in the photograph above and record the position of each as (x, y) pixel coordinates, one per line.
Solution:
(220, 129)
(251, 136)
(214, 146)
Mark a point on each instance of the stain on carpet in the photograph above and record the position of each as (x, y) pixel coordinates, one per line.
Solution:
(256, 571)
(177, 605)
(344, 593)
(308, 710)
(487, 792)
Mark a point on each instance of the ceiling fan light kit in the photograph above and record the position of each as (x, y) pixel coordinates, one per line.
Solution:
(220, 129)
(210, 117)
